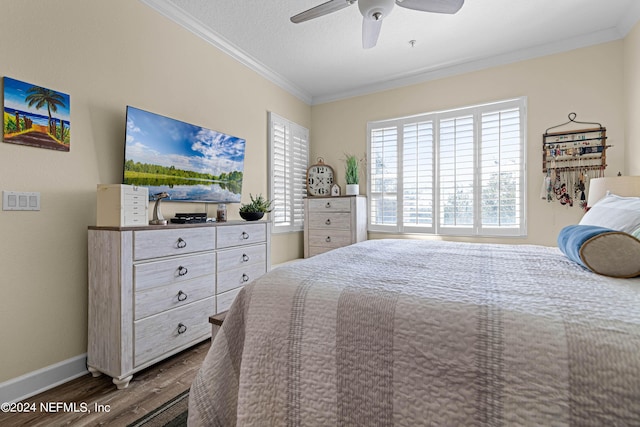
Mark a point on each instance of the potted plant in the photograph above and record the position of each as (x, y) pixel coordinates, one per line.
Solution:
(352, 175)
(256, 209)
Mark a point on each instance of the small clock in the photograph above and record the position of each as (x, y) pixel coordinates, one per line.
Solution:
(319, 179)
(335, 190)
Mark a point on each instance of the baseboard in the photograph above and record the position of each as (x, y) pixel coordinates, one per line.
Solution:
(32, 383)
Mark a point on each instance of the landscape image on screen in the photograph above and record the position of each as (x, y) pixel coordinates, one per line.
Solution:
(189, 162)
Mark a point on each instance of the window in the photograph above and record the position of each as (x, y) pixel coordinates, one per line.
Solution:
(288, 160)
(457, 172)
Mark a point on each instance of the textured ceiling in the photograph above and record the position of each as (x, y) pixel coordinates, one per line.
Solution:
(323, 60)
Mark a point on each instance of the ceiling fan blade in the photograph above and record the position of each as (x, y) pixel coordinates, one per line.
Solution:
(436, 6)
(370, 32)
(321, 10)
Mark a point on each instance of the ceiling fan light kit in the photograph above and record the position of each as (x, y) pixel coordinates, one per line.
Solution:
(375, 9)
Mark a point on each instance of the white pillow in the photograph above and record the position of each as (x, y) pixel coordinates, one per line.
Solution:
(615, 212)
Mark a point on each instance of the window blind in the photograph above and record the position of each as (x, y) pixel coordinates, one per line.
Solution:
(289, 158)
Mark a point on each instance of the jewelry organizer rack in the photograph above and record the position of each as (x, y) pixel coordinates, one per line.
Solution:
(578, 149)
(571, 158)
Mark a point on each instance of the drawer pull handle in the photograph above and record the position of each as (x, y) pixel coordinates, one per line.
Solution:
(328, 239)
(328, 205)
(245, 258)
(245, 235)
(181, 243)
(182, 296)
(328, 222)
(182, 271)
(182, 328)
(245, 278)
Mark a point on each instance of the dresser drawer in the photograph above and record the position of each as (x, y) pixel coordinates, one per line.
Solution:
(330, 205)
(330, 220)
(329, 238)
(157, 243)
(241, 256)
(243, 234)
(158, 299)
(160, 334)
(225, 299)
(238, 277)
(172, 270)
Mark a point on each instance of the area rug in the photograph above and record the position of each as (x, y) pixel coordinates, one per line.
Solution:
(171, 414)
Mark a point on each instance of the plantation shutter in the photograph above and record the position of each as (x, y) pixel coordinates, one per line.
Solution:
(417, 176)
(456, 172)
(289, 157)
(502, 171)
(383, 178)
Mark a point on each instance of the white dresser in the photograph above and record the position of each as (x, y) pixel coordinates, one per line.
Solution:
(333, 222)
(152, 289)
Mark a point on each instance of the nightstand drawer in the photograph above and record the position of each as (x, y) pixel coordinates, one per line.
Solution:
(238, 277)
(244, 234)
(242, 256)
(160, 334)
(339, 204)
(330, 220)
(172, 270)
(329, 238)
(157, 243)
(158, 299)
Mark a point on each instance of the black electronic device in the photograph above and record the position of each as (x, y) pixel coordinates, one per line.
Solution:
(189, 218)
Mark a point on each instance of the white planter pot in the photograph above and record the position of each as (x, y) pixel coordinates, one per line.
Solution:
(353, 189)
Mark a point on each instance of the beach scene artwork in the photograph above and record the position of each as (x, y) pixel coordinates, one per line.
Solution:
(36, 116)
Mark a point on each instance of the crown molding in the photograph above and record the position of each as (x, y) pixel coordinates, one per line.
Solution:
(170, 11)
(466, 66)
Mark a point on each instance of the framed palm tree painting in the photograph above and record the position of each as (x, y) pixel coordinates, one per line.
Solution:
(36, 116)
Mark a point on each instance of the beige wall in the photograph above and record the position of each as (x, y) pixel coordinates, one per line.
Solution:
(105, 55)
(632, 92)
(586, 81)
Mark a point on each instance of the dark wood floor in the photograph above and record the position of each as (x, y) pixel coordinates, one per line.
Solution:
(149, 389)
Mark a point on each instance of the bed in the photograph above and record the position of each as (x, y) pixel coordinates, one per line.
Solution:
(413, 332)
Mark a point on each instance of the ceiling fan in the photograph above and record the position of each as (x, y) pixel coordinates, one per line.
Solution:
(373, 11)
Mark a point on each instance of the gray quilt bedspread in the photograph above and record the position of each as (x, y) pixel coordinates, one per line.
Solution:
(412, 333)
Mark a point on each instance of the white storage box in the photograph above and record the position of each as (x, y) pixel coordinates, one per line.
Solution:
(121, 205)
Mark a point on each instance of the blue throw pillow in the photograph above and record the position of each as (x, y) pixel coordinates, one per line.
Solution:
(602, 250)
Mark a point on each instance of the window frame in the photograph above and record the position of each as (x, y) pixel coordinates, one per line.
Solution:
(477, 229)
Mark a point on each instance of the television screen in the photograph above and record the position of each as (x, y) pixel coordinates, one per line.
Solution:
(190, 163)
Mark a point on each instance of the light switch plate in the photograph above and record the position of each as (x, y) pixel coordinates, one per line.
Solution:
(20, 201)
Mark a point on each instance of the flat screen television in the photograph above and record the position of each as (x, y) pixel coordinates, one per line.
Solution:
(189, 162)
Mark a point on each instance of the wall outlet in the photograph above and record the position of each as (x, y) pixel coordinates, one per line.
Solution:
(20, 201)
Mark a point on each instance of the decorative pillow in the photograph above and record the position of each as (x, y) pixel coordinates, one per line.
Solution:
(601, 250)
(615, 212)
